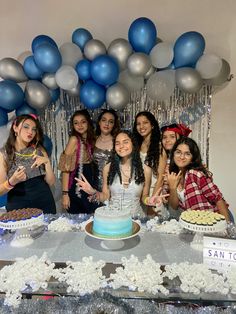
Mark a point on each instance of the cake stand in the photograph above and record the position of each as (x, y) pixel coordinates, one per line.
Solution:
(200, 230)
(22, 236)
(112, 243)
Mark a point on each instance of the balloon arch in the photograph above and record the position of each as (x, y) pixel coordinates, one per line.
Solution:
(172, 80)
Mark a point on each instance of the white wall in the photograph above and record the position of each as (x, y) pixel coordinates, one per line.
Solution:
(22, 20)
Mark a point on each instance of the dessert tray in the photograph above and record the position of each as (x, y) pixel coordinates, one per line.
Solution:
(22, 225)
(112, 243)
(202, 222)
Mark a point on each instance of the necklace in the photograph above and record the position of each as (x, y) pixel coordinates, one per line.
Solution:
(26, 155)
(126, 173)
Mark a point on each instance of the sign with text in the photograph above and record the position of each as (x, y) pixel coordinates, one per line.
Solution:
(219, 253)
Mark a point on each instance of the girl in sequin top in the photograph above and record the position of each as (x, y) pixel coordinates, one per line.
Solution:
(107, 127)
(25, 169)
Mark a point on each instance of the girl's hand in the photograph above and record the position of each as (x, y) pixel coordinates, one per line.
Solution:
(39, 160)
(85, 185)
(157, 198)
(65, 202)
(18, 176)
(173, 179)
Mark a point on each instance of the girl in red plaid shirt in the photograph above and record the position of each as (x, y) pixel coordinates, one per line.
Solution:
(190, 183)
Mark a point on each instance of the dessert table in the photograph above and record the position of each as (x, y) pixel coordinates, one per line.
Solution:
(165, 249)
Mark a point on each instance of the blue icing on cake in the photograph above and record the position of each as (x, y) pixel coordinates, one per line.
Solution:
(112, 223)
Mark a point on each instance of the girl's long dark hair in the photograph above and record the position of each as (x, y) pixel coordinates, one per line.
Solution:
(37, 141)
(153, 153)
(136, 163)
(116, 127)
(196, 162)
(90, 132)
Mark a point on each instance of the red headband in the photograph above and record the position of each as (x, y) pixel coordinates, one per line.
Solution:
(181, 129)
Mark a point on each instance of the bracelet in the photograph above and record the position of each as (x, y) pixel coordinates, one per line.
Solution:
(146, 200)
(65, 192)
(12, 185)
(7, 186)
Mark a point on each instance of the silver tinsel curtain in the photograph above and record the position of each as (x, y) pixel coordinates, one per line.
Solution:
(194, 110)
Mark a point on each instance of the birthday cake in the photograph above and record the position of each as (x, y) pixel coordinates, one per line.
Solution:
(19, 218)
(112, 223)
(203, 221)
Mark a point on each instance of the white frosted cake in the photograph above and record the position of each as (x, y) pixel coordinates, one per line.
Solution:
(112, 223)
(203, 221)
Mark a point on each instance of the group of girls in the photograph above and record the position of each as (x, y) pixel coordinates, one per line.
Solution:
(140, 170)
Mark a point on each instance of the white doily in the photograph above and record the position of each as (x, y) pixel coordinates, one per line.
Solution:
(32, 272)
(62, 224)
(171, 226)
(141, 276)
(82, 277)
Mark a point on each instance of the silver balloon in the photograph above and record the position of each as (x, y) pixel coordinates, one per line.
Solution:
(11, 69)
(120, 49)
(71, 54)
(37, 95)
(162, 55)
(117, 96)
(94, 48)
(222, 76)
(138, 64)
(161, 85)
(188, 80)
(150, 72)
(74, 92)
(49, 80)
(133, 83)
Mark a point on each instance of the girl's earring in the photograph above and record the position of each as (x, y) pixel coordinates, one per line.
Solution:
(16, 134)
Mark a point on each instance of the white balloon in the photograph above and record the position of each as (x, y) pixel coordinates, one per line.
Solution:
(209, 66)
(222, 76)
(70, 54)
(66, 77)
(133, 83)
(161, 85)
(49, 80)
(162, 55)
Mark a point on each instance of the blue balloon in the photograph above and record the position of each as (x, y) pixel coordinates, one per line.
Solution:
(55, 94)
(3, 117)
(92, 95)
(47, 57)
(80, 37)
(104, 70)
(47, 143)
(11, 95)
(42, 39)
(25, 109)
(188, 49)
(3, 200)
(142, 35)
(31, 69)
(83, 69)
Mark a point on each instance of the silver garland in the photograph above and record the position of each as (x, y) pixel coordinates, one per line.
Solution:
(192, 109)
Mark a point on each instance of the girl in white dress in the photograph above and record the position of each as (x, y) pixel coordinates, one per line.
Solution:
(125, 180)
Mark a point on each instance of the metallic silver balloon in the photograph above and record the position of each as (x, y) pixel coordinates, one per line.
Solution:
(94, 48)
(49, 80)
(150, 72)
(11, 69)
(138, 64)
(120, 49)
(74, 92)
(222, 76)
(188, 80)
(37, 95)
(132, 83)
(117, 96)
(71, 54)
